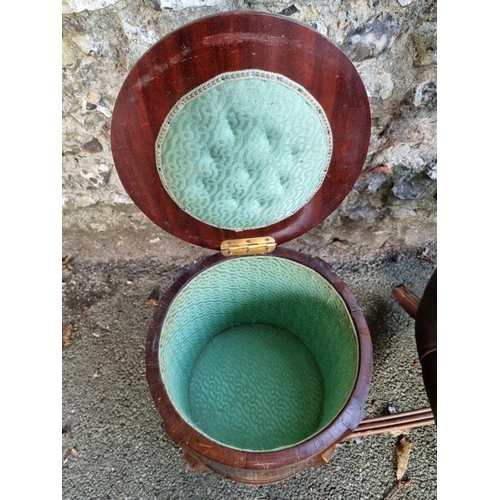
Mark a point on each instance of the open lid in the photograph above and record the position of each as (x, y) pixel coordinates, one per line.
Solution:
(240, 125)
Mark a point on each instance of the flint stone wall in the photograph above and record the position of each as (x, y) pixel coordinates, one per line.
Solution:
(392, 43)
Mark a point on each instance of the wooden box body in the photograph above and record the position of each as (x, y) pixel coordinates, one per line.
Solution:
(260, 467)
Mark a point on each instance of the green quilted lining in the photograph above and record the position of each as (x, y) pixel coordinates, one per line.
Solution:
(244, 150)
(258, 353)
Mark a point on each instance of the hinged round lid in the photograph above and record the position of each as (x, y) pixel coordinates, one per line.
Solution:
(240, 125)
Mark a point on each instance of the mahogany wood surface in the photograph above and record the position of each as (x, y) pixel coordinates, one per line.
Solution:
(233, 41)
(426, 338)
(395, 422)
(407, 299)
(424, 311)
(261, 467)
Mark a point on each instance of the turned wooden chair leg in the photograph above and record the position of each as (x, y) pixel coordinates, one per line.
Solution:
(407, 299)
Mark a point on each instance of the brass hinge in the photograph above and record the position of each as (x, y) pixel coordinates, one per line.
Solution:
(253, 246)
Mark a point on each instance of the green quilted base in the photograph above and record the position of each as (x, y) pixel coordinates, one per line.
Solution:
(256, 387)
(258, 353)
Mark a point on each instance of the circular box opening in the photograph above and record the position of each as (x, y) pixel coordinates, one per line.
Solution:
(258, 353)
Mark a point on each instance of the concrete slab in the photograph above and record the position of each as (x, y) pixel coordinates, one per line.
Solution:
(112, 443)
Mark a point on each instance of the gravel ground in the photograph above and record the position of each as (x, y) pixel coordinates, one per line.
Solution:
(112, 444)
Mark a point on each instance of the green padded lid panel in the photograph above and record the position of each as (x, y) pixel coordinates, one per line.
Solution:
(258, 353)
(244, 150)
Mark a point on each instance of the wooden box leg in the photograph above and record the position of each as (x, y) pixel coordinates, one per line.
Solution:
(323, 458)
(195, 464)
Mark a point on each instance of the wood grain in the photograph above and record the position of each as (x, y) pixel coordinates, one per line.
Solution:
(266, 467)
(232, 41)
(407, 299)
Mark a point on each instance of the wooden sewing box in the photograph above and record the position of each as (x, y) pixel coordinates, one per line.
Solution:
(239, 132)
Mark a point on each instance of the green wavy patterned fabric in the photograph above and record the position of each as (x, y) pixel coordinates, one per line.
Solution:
(258, 353)
(270, 380)
(245, 150)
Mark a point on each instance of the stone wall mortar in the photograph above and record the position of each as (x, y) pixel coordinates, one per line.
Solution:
(392, 43)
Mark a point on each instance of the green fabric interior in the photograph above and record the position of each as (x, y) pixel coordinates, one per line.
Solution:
(245, 150)
(258, 353)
